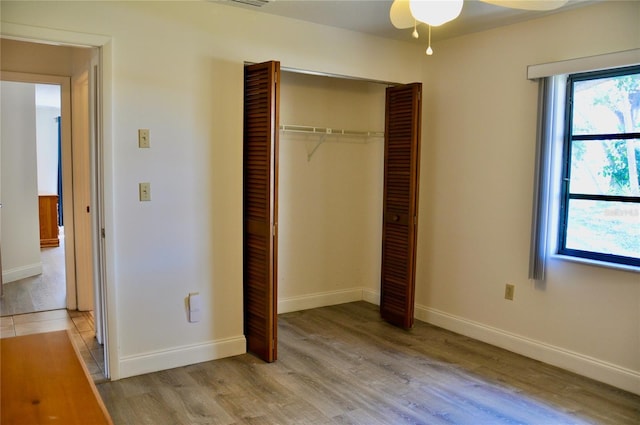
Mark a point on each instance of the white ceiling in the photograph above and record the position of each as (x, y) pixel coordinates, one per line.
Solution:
(372, 16)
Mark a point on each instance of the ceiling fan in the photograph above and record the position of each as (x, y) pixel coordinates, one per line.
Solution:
(408, 13)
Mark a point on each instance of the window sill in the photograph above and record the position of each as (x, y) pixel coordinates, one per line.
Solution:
(596, 263)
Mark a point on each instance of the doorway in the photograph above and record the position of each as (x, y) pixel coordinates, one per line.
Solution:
(81, 167)
(32, 220)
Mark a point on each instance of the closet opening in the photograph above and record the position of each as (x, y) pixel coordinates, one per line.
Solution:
(330, 192)
(327, 176)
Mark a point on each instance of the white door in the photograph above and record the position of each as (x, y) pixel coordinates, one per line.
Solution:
(82, 205)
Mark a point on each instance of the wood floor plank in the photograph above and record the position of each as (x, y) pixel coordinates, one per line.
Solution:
(344, 365)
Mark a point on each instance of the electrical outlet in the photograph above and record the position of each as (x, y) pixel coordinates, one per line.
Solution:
(195, 305)
(509, 291)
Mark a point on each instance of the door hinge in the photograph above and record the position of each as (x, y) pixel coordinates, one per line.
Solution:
(102, 233)
(88, 209)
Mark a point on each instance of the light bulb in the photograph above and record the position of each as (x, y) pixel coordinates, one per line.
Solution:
(415, 30)
(435, 12)
(429, 51)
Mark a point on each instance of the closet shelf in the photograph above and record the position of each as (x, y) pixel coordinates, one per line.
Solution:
(329, 131)
(323, 132)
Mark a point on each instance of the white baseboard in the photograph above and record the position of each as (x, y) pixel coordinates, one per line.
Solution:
(319, 299)
(590, 367)
(18, 273)
(180, 356)
(371, 296)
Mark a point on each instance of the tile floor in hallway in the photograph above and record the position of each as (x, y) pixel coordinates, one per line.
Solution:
(79, 323)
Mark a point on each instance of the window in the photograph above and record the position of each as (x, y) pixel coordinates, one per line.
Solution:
(600, 202)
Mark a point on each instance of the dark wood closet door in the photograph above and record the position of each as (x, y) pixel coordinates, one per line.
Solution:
(401, 173)
(261, 110)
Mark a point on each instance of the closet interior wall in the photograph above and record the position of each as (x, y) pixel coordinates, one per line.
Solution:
(330, 203)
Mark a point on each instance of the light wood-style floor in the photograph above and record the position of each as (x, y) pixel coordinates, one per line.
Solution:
(343, 365)
(46, 291)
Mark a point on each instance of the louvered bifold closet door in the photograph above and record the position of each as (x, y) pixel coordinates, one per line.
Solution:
(401, 173)
(261, 106)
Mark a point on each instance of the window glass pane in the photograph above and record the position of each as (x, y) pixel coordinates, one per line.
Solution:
(605, 167)
(605, 227)
(607, 105)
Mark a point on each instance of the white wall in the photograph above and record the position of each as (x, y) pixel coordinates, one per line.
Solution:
(47, 148)
(330, 206)
(176, 68)
(20, 222)
(479, 129)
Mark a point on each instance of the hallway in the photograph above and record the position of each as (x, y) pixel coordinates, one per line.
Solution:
(43, 292)
(38, 304)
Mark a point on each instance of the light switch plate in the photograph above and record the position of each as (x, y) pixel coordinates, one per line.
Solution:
(143, 138)
(145, 191)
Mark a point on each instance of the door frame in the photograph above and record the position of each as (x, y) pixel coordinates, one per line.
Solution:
(100, 129)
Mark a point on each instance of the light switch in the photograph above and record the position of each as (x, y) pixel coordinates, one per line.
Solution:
(145, 191)
(143, 138)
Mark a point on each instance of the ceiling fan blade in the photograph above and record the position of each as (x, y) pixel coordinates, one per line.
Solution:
(539, 5)
(400, 14)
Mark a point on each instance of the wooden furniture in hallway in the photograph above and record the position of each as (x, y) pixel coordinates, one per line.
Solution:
(43, 381)
(48, 207)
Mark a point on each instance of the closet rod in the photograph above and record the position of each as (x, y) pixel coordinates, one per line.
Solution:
(329, 131)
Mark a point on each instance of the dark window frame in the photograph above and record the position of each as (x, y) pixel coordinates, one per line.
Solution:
(566, 195)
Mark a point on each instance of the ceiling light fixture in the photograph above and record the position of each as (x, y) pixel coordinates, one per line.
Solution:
(408, 13)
